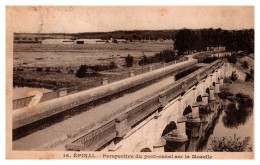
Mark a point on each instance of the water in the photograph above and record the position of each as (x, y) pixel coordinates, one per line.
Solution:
(227, 121)
(232, 122)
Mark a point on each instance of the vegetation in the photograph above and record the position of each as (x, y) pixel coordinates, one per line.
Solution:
(224, 94)
(98, 68)
(236, 40)
(249, 77)
(81, 72)
(244, 100)
(129, 60)
(232, 59)
(245, 64)
(207, 59)
(233, 76)
(144, 61)
(231, 144)
(238, 111)
(39, 69)
(163, 56)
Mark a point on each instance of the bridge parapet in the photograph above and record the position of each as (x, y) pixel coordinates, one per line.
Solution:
(24, 116)
(136, 114)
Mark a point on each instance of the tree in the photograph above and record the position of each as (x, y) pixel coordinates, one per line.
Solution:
(144, 61)
(129, 60)
(245, 65)
(185, 40)
(81, 72)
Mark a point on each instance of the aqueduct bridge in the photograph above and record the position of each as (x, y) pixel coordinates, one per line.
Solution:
(139, 121)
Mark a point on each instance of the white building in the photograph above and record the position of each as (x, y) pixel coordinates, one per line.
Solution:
(89, 41)
(57, 41)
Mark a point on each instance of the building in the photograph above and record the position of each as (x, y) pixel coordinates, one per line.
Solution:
(216, 48)
(57, 41)
(90, 41)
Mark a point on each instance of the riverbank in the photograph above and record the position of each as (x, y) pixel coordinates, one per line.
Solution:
(234, 124)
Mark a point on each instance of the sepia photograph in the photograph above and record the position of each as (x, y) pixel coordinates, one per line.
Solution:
(113, 82)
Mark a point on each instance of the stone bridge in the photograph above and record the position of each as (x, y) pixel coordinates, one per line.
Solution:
(146, 125)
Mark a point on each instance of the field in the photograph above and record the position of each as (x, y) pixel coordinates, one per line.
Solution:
(39, 55)
(49, 66)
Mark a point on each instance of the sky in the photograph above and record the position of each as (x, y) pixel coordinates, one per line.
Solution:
(65, 19)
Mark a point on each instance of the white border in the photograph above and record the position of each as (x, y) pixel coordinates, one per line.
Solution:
(3, 3)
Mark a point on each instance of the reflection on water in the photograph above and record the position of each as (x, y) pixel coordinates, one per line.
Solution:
(235, 118)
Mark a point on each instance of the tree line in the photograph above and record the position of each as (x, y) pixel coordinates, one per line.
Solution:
(199, 40)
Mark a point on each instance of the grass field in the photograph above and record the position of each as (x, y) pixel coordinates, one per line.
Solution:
(60, 59)
(39, 55)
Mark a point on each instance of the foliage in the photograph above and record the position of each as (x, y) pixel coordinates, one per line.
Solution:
(233, 76)
(238, 112)
(232, 59)
(144, 61)
(112, 65)
(81, 72)
(207, 59)
(48, 69)
(244, 100)
(224, 94)
(236, 40)
(249, 77)
(164, 56)
(245, 65)
(98, 68)
(129, 60)
(231, 144)
(185, 40)
(39, 69)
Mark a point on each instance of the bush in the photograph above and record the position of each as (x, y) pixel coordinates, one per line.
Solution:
(129, 60)
(233, 76)
(112, 65)
(164, 56)
(71, 71)
(245, 65)
(231, 144)
(39, 69)
(47, 69)
(144, 61)
(252, 72)
(207, 59)
(244, 100)
(81, 72)
(249, 77)
(232, 59)
(224, 94)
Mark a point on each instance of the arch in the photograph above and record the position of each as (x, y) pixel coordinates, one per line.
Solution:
(169, 128)
(199, 99)
(207, 90)
(187, 110)
(146, 150)
(213, 83)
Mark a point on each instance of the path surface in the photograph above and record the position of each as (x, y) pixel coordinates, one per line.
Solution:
(98, 113)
